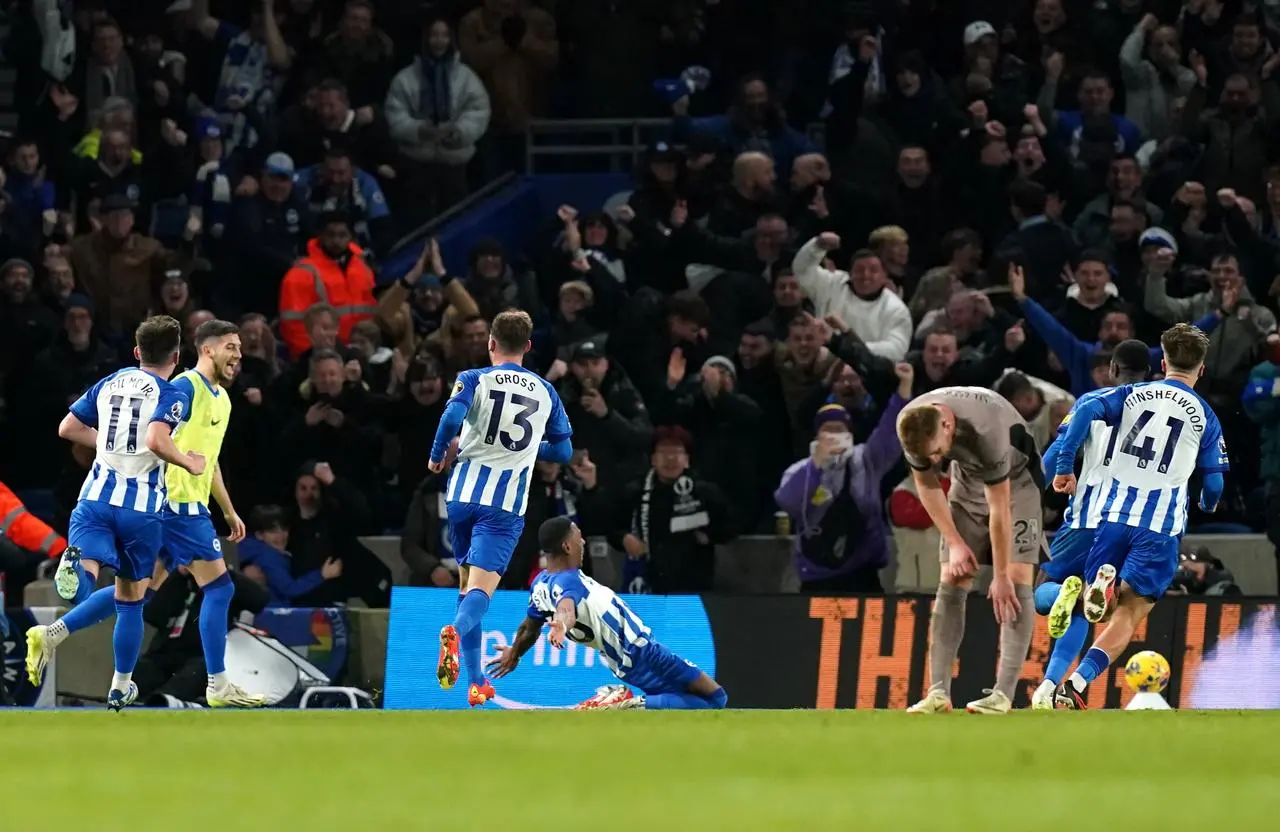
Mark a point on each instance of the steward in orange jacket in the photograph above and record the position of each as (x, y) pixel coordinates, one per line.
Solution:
(24, 529)
(333, 272)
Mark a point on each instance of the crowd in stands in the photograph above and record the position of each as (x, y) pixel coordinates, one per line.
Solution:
(731, 339)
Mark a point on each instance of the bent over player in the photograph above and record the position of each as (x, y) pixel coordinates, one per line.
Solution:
(510, 417)
(585, 612)
(1164, 432)
(993, 516)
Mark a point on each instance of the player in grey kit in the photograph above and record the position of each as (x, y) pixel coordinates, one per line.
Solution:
(992, 517)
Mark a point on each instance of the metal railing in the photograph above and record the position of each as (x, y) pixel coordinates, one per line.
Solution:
(454, 211)
(622, 141)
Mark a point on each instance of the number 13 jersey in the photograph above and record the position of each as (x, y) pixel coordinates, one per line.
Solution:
(121, 406)
(510, 412)
(1163, 433)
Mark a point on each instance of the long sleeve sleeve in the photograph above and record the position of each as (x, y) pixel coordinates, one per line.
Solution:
(1157, 301)
(799, 482)
(280, 580)
(1069, 349)
(883, 448)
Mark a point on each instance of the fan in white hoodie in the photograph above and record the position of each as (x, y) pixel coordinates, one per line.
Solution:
(863, 300)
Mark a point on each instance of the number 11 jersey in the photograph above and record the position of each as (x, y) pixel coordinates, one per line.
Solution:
(1164, 432)
(121, 406)
(510, 412)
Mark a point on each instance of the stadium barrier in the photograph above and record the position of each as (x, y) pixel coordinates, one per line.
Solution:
(768, 651)
(764, 563)
(869, 652)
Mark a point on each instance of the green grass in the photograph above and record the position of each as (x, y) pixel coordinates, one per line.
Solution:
(527, 771)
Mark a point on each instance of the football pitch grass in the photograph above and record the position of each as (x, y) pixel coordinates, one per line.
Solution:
(736, 770)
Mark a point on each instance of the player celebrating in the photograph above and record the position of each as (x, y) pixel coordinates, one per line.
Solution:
(583, 611)
(189, 537)
(128, 417)
(510, 417)
(1165, 431)
(992, 516)
(1056, 597)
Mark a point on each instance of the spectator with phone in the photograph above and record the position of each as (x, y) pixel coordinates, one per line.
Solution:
(833, 499)
(608, 416)
(557, 491)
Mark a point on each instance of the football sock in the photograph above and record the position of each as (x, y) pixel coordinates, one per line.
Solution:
(1091, 667)
(470, 613)
(946, 631)
(126, 641)
(85, 589)
(97, 607)
(718, 699)
(1046, 687)
(677, 702)
(1046, 594)
(1015, 640)
(214, 612)
(1067, 648)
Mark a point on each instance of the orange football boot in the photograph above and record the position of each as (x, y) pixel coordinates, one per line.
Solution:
(478, 694)
(449, 666)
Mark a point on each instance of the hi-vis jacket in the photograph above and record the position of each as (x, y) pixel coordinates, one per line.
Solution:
(317, 278)
(24, 529)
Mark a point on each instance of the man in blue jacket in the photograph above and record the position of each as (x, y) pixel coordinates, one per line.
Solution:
(1076, 355)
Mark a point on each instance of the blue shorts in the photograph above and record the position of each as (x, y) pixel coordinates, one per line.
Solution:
(655, 669)
(483, 536)
(1068, 553)
(188, 537)
(126, 540)
(1147, 560)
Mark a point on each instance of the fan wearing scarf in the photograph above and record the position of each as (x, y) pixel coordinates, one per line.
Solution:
(833, 498)
(670, 522)
(437, 109)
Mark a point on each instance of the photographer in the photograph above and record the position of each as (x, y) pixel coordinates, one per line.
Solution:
(1200, 573)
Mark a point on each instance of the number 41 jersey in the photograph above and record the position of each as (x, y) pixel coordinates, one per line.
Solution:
(510, 412)
(121, 406)
(1164, 432)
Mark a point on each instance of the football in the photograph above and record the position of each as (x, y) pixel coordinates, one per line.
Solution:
(1147, 672)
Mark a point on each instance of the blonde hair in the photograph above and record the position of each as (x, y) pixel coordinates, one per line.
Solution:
(916, 428)
(886, 234)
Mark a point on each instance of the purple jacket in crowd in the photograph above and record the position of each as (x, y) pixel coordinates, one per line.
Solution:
(866, 465)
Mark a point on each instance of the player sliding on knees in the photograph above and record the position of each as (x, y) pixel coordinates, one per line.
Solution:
(1058, 596)
(583, 611)
(1164, 432)
(189, 538)
(510, 417)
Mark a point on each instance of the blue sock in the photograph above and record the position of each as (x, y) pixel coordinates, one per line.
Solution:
(678, 702)
(1067, 648)
(1093, 665)
(718, 699)
(1046, 594)
(471, 612)
(126, 641)
(97, 607)
(214, 611)
(86, 587)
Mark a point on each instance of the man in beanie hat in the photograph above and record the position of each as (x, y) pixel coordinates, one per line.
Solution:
(669, 522)
(833, 498)
(722, 423)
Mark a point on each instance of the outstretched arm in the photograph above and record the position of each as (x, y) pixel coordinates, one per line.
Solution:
(525, 638)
